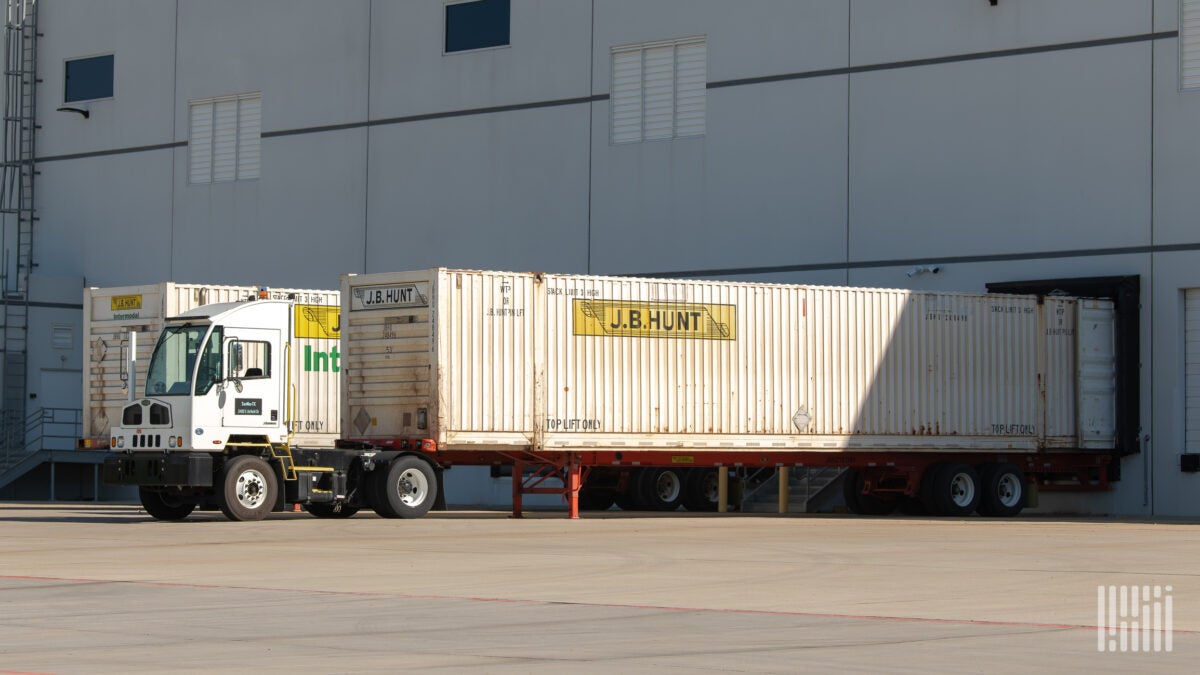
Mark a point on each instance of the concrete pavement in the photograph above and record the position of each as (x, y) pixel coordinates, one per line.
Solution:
(103, 588)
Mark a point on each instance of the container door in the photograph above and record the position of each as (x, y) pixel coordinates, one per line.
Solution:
(253, 377)
(1097, 375)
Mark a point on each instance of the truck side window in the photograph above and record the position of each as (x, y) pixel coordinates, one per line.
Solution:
(250, 359)
(208, 372)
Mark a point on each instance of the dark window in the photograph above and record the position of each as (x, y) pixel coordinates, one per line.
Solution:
(89, 79)
(476, 25)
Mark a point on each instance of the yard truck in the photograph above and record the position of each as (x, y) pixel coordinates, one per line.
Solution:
(646, 392)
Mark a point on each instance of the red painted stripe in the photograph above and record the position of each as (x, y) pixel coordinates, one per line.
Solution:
(660, 608)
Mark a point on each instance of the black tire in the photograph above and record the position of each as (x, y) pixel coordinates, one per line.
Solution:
(911, 506)
(248, 489)
(628, 499)
(1003, 490)
(596, 499)
(330, 510)
(700, 491)
(407, 489)
(166, 503)
(857, 502)
(955, 490)
(660, 489)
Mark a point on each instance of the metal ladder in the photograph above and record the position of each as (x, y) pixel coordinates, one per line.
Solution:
(17, 207)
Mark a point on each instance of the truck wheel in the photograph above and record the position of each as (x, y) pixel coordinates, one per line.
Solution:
(248, 488)
(1003, 490)
(955, 490)
(700, 491)
(865, 505)
(406, 490)
(660, 489)
(331, 510)
(166, 503)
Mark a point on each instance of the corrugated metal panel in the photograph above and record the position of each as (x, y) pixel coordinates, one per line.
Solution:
(200, 138)
(575, 361)
(109, 315)
(249, 135)
(1097, 374)
(626, 97)
(658, 85)
(691, 80)
(1189, 44)
(1192, 369)
(224, 156)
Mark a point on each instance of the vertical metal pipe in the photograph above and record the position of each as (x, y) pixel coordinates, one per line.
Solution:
(518, 475)
(783, 489)
(722, 489)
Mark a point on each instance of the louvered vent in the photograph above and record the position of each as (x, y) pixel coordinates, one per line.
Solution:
(658, 90)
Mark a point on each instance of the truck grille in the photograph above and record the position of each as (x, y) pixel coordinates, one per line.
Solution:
(145, 441)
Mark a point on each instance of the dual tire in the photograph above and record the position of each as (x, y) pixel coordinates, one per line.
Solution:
(957, 489)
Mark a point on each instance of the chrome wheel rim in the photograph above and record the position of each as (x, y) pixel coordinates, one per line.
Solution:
(251, 489)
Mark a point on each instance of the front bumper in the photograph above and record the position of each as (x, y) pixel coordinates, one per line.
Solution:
(184, 469)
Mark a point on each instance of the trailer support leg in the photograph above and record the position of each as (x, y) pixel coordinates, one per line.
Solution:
(518, 476)
(574, 482)
(722, 489)
(783, 489)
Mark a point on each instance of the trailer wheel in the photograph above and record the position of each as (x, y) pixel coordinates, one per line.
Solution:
(406, 490)
(248, 488)
(955, 490)
(331, 510)
(596, 499)
(660, 489)
(166, 503)
(700, 491)
(865, 505)
(1003, 490)
(628, 499)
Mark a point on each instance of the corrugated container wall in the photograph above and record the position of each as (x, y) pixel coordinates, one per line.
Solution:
(111, 313)
(561, 361)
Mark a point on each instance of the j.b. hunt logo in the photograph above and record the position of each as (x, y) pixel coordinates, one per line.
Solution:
(615, 318)
(1134, 619)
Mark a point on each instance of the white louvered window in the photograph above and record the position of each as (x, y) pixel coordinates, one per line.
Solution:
(658, 90)
(1191, 369)
(224, 139)
(1189, 44)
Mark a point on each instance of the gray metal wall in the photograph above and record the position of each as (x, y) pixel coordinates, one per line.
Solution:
(1033, 139)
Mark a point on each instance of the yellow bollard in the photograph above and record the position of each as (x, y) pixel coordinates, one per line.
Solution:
(722, 489)
(783, 489)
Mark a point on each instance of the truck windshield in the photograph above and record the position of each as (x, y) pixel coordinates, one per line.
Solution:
(174, 361)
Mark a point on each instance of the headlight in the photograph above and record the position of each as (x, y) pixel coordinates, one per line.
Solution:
(120, 441)
(171, 441)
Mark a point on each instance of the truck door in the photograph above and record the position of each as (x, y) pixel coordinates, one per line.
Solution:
(253, 380)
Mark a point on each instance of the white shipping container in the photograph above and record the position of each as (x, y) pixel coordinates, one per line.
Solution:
(495, 360)
(111, 313)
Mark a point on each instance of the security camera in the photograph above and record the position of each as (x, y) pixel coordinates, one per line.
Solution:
(924, 269)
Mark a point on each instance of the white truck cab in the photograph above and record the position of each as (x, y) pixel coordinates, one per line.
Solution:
(217, 376)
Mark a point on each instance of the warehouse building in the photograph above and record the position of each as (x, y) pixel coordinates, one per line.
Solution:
(926, 144)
